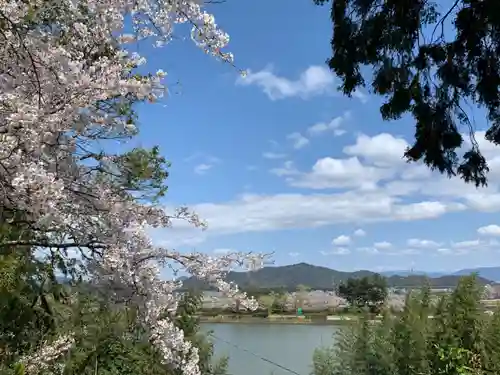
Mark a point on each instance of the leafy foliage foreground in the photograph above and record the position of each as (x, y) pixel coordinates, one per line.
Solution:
(36, 308)
(454, 336)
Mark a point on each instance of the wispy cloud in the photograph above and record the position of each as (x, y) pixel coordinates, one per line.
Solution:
(358, 94)
(374, 161)
(331, 126)
(288, 169)
(273, 155)
(466, 244)
(207, 158)
(367, 250)
(315, 80)
(382, 245)
(298, 140)
(273, 143)
(423, 244)
(206, 162)
(336, 251)
(202, 168)
(341, 251)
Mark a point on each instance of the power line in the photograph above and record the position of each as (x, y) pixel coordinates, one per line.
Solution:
(256, 355)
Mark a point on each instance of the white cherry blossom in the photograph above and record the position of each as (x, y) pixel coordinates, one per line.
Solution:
(60, 62)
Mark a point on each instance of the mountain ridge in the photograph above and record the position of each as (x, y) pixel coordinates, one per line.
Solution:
(318, 277)
(490, 273)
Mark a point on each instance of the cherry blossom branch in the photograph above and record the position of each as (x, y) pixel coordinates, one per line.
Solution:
(51, 244)
(58, 84)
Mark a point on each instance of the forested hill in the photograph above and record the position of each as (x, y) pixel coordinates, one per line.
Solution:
(315, 277)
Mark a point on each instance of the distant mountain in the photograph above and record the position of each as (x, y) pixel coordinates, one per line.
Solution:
(287, 277)
(412, 281)
(316, 277)
(490, 273)
(408, 273)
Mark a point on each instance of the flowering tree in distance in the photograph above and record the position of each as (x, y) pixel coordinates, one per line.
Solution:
(67, 86)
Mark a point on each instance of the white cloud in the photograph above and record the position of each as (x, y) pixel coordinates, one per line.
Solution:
(341, 173)
(298, 140)
(207, 158)
(415, 172)
(205, 162)
(427, 210)
(368, 250)
(364, 193)
(376, 163)
(293, 254)
(359, 233)
(341, 240)
(254, 212)
(358, 94)
(202, 168)
(408, 252)
(288, 169)
(466, 244)
(489, 230)
(332, 126)
(273, 155)
(382, 245)
(181, 234)
(336, 251)
(465, 247)
(339, 132)
(315, 80)
(493, 242)
(488, 149)
(400, 252)
(444, 250)
(383, 150)
(422, 244)
(341, 251)
(483, 202)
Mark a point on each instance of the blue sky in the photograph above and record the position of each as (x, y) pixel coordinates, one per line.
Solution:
(279, 161)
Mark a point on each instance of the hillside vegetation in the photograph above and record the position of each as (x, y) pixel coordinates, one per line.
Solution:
(316, 277)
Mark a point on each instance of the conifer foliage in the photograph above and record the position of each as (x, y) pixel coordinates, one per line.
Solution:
(453, 336)
(433, 60)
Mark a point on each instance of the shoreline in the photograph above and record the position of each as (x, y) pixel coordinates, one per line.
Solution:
(287, 320)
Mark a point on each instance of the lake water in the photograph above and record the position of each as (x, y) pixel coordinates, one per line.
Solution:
(250, 345)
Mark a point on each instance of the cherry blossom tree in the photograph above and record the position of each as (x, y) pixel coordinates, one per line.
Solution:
(67, 88)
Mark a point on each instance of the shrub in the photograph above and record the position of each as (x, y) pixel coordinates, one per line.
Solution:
(459, 339)
(260, 314)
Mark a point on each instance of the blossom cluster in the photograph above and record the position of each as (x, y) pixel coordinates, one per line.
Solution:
(44, 359)
(63, 65)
